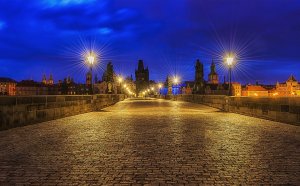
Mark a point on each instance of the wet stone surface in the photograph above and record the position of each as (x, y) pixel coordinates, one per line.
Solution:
(140, 142)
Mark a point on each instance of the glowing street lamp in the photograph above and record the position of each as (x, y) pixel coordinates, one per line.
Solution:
(91, 59)
(159, 86)
(175, 83)
(120, 80)
(229, 60)
(175, 80)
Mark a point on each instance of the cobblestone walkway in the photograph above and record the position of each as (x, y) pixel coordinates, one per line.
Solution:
(137, 142)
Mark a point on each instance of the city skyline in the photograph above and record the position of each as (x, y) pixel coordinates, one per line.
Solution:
(128, 31)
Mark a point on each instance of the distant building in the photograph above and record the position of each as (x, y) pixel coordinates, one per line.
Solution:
(50, 81)
(7, 86)
(142, 78)
(254, 91)
(216, 89)
(213, 77)
(69, 87)
(198, 87)
(30, 87)
(236, 89)
(289, 88)
(187, 89)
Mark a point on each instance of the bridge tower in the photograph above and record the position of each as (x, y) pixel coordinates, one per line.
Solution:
(142, 77)
(199, 78)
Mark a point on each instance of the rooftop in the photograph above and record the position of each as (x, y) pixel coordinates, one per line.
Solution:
(7, 80)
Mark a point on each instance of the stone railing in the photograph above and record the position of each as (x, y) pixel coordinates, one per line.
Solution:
(23, 110)
(282, 109)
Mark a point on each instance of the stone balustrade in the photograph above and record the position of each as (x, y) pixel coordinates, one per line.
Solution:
(282, 109)
(23, 110)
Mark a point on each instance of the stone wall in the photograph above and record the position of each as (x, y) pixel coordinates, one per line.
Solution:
(216, 101)
(282, 109)
(23, 110)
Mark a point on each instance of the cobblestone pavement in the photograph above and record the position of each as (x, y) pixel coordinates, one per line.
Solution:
(137, 142)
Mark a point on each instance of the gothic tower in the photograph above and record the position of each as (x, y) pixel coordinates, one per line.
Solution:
(44, 80)
(213, 77)
(142, 77)
(51, 82)
(199, 78)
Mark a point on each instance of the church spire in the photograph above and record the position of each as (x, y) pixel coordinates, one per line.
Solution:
(51, 82)
(44, 80)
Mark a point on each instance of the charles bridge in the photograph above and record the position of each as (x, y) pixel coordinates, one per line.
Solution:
(108, 140)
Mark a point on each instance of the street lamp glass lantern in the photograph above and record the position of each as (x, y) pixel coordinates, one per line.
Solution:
(229, 61)
(91, 59)
(175, 80)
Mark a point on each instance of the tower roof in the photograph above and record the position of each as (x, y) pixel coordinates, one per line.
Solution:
(213, 62)
(212, 67)
(292, 78)
(141, 65)
(198, 62)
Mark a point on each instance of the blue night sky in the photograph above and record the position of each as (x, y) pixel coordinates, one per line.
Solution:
(46, 36)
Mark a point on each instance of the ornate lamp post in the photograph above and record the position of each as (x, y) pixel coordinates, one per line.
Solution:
(229, 60)
(91, 59)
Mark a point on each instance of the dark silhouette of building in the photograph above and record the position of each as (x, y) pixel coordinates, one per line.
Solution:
(213, 77)
(108, 75)
(30, 87)
(199, 78)
(142, 77)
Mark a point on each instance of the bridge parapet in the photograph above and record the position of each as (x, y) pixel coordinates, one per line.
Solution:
(282, 109)
(23, 110)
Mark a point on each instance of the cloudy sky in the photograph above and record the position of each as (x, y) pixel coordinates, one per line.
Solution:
(48, 36)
